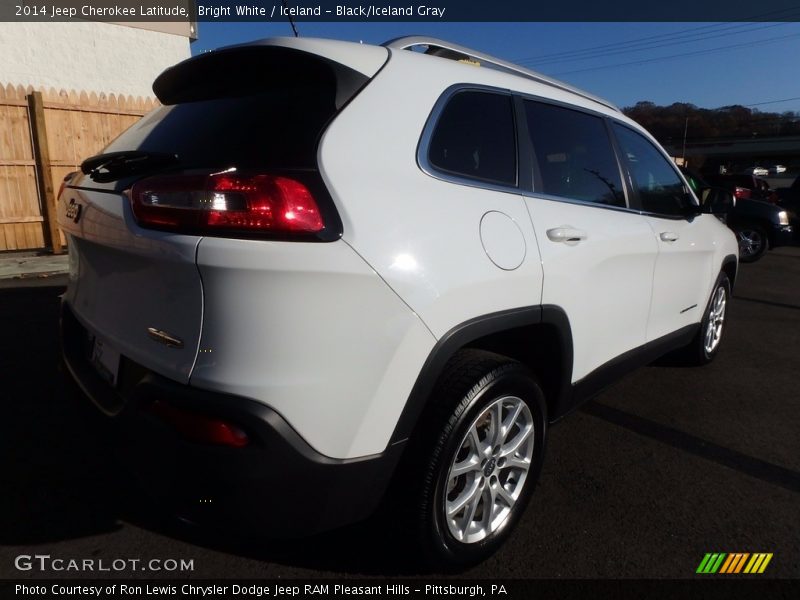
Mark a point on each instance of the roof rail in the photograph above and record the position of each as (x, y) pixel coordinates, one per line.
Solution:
(444, 49)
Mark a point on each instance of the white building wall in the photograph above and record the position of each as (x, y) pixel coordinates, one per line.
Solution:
(87, 56)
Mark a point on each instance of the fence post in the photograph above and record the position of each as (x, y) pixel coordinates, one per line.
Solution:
(42, 155)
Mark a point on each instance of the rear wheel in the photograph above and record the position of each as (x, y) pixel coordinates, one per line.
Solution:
(477, 458)
(752, 242)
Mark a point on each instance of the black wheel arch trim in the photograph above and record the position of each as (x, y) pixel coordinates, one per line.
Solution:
(733, 260)
(463, 334)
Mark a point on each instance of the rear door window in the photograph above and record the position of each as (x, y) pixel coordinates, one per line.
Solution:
(474, 137)
(573, 155)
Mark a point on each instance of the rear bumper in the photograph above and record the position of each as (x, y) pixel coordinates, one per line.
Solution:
(276, 486)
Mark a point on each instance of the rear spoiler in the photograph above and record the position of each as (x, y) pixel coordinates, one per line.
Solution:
(268, 65)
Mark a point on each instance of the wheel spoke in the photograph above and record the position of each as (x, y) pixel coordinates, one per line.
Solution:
(514, 445)
(503, 493)
(472, 463)
(476, 441)
(469, 514)
(498, 432)
(509, 424)
(456, 505)
(513, 462)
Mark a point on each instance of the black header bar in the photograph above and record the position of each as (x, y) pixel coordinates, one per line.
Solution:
(401, 10)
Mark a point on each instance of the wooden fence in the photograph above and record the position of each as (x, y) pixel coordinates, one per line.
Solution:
(78, 125)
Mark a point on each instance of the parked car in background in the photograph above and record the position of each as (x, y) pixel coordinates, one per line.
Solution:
(758, 225)
(777, 169)
(758, 171)
(788, 198)
(743, 186)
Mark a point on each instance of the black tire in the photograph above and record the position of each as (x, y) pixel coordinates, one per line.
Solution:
(698, 353)
(753, 242)
(472, 381)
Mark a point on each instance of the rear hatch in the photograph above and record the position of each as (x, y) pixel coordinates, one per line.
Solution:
(242, 116)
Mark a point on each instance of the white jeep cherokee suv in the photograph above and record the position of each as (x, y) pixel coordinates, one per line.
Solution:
(326, 274)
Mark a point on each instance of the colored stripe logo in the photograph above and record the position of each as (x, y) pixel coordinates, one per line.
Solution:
(734, 563)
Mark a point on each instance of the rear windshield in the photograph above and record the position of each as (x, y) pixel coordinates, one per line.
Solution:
(243, 107)
(276, 129)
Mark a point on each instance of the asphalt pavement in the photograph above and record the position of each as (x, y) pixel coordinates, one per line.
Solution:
(669, 464)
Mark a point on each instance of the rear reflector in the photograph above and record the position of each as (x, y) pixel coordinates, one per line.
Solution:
(226, 202)
(200, 428)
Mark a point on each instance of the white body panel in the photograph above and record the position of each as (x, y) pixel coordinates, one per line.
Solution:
(421, 234)
(129, 279)
(311, 331)
(685, 271)
(602, 282)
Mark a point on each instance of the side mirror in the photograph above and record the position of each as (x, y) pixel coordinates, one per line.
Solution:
(716, 201)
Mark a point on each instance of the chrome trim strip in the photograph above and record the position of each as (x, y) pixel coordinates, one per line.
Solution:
(164, 338)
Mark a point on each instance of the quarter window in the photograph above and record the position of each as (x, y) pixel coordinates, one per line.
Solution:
(661, 190)
(474, 137)
(573, 155)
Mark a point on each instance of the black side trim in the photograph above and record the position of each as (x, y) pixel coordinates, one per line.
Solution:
(469, 331)
(612, 371)
(557, 318)
(730, 259)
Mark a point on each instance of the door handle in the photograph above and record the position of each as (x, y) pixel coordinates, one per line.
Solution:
(566, 235)
(669, 236)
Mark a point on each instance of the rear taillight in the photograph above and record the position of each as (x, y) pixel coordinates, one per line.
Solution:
(226, 202)
(64, 182)
(740, 192)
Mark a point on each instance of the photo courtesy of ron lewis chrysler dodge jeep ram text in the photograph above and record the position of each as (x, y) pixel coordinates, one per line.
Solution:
(323, 276)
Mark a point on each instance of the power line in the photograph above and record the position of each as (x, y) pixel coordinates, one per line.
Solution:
(650, 46)
(689, 32)
(636, 44)
(681, 55)
(773, 101)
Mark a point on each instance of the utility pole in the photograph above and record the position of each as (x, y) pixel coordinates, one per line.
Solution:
(685, 130)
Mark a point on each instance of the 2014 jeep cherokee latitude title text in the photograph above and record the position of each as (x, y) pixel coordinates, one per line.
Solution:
(320, 264)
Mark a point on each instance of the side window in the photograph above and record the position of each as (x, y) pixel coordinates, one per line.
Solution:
(661, 190)
(474, 137)
(573, 154)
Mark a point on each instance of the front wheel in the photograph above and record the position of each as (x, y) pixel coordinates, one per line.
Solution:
(479, 457)
(752, 242)
(706, 343)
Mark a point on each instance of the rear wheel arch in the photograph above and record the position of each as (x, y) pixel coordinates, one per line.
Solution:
(539, 337)
(730, 267)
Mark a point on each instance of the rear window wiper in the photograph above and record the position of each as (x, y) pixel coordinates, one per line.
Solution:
(114, 165)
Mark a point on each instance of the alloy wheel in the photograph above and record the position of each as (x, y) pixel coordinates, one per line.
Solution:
(488, 472)
(716, 319)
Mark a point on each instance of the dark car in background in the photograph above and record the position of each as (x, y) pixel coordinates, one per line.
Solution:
(789, 197)
(758, 225)
(741, 186)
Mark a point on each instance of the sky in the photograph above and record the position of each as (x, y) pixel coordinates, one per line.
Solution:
(706, 64)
